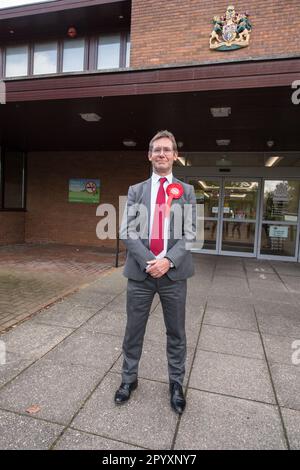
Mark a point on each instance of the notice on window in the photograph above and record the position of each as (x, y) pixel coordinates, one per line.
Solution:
(84, 190)
(278, 231)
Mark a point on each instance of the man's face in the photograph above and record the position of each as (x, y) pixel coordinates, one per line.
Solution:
(162, 156)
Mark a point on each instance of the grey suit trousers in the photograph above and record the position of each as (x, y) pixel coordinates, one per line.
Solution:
(139, 299)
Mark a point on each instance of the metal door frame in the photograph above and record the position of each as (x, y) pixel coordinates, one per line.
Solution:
(255, 222)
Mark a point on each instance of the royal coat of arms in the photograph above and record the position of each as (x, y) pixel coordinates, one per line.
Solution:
(231, 31)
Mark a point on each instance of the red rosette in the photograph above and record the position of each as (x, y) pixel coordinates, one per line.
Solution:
(174, 191)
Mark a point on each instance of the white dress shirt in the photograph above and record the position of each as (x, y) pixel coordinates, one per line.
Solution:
(154, 190)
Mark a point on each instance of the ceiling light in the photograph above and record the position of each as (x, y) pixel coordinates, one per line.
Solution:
(129, 143)
(270, 143)
(220, 112)
(179, 144)
(90, 117)
(273, 161)
(238, 196)
(223, 162)
(223, 142)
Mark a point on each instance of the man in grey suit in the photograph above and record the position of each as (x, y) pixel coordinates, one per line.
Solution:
(158, 261)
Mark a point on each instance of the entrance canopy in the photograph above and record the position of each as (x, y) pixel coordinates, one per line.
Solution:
(257, 116)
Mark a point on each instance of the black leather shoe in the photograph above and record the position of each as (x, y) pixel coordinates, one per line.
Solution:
(124, 391)
(177, 398)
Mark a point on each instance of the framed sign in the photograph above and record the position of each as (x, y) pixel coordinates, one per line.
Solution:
(278, 231)
(84, 190)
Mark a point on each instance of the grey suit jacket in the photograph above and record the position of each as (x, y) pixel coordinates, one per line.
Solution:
(134, 232)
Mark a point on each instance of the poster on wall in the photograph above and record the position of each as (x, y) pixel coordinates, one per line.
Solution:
(84, 190)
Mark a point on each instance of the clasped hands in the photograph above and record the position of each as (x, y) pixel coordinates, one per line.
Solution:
(158, 267)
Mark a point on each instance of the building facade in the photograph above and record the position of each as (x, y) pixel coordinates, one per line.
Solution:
(86, 84)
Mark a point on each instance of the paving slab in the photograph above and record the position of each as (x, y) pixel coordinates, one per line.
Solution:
(33, 340)
(88, 348)
(232, 375)
(222, 316)
(284, 324)
(280, 349)
(146, 420)
(14, 364)
(58, 389)
(232, 304)
(231, 341)
(26, 433)
(291, 420)
(216, 422)
(272, 296)
(78, 440)
(108, 321)
(287, 385)
(285, 268)
(65, 314)
(92, 299)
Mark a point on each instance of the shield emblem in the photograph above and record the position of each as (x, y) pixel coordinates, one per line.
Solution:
(229, 32)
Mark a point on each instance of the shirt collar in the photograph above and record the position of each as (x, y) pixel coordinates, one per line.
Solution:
(155, 178)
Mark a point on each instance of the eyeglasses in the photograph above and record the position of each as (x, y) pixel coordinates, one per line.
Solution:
(165, 150)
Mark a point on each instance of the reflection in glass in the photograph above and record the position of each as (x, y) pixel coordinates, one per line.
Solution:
(281, 200)
(73, 55)
(210, 234)
(16, 61)
(109, 52)
(207, 193)
(278, 240)
(45, 58)
(238, 236)
(240, 200)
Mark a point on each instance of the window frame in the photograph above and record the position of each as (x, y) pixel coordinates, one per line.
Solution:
(90, 54)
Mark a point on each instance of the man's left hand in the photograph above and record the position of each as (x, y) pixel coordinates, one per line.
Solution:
(158, 267)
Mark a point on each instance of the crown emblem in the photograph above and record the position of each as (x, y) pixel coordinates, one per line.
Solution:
(231, 31)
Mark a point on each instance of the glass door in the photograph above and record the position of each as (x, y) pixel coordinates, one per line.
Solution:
(208, 193)
(239, 219)
(279, 232)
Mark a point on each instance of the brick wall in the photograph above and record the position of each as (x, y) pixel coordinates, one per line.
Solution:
(51, 218)
(11, 227)
(177, 32)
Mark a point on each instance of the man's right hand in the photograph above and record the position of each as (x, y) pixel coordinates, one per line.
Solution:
(158, 267)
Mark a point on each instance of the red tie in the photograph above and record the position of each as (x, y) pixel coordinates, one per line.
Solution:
(157, 233)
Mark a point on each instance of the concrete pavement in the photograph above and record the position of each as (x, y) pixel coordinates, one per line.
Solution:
(242, 382)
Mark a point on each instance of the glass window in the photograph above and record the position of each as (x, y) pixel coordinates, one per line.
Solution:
(109, 52)
(45, 58)
(73, 55)
(281, 200)
(240, 199)
(13, 180)
(278, 240)
(16, 64)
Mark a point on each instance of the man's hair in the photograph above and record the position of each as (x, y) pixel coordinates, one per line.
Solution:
(161, 134)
